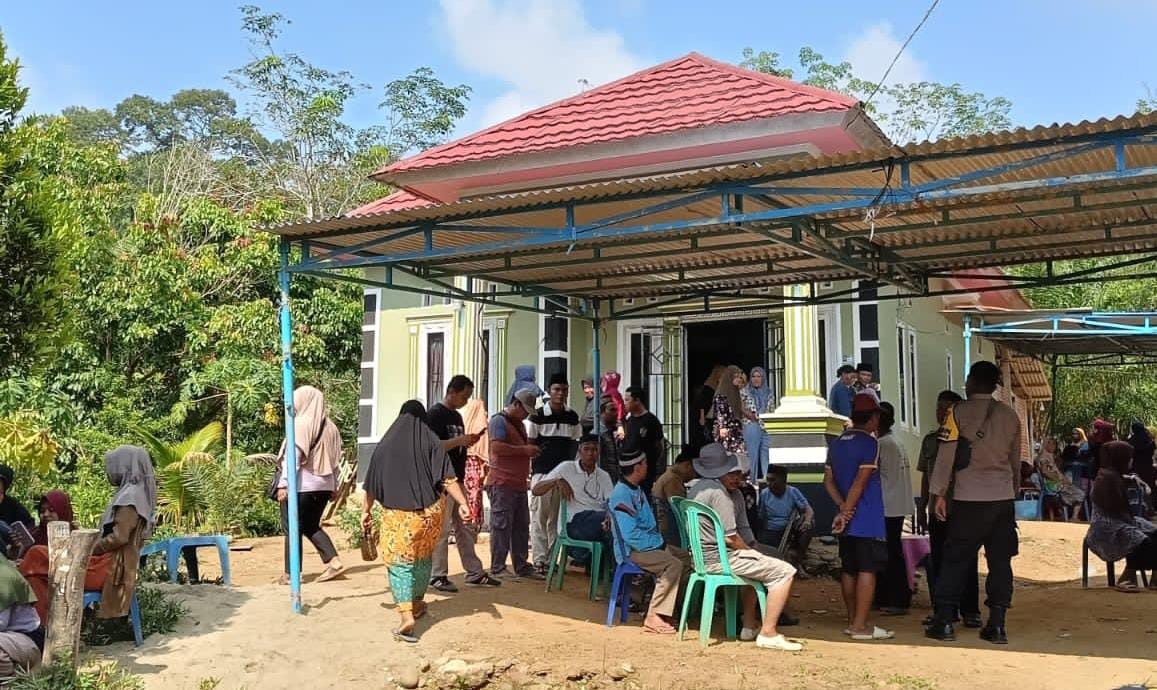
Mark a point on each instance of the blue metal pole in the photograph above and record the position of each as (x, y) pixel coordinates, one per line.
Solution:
(967, 345)
(290, 439)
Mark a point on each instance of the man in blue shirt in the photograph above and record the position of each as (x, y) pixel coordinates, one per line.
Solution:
(840, 396)
(853, 482)
(776, 503)
(671, 566)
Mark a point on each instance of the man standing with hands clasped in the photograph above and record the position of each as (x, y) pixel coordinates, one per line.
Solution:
(979, 457)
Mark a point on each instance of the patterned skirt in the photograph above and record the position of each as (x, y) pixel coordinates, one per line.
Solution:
(475, 469)
(408, 541)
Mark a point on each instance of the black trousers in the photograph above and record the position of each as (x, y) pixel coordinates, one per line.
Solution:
(991, 524)
(1144, 557)
(970, 599)
(310, 506)
(892, 589)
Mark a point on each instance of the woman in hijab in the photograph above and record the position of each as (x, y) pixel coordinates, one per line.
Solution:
(318, 444)
(523, 380)
(21, 633)
(1056, 482)
(53, 506)
(475, 417)
(729, 412)
(1075, 451)
(1114, 531)
(1143, 449)
(409, 474)
(756, 396)
(126, 523)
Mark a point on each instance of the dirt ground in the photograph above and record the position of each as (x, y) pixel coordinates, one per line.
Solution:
(246, 637)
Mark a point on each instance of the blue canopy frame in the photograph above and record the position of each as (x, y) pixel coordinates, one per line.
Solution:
(723, 239)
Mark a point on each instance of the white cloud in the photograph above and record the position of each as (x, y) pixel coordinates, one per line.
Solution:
(872, 51)
(541, 49)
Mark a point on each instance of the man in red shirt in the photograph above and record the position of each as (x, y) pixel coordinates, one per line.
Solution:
(510, 455)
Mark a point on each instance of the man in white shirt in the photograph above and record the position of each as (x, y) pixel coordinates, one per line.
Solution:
(586, 488)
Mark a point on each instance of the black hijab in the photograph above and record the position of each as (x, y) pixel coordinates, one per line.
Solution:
(409, 465)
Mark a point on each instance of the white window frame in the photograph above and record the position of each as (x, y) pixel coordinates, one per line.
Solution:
(858, 344)
(425, 330)
(494, 393)
(372, 365)
(545, 354)
(907, 360)
(830, 315)
(657, 394)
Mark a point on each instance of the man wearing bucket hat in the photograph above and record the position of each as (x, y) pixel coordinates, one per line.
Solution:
(718, 489)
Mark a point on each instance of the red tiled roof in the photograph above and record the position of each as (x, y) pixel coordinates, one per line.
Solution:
(398, 201)
(689, 92)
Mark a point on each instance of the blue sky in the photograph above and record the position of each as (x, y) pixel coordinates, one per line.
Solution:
(1063, 60)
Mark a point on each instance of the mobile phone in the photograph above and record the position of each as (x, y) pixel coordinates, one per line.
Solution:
(21, 534)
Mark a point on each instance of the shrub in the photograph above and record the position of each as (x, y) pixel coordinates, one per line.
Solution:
(159, 615)
(349, 520)
(62, 675)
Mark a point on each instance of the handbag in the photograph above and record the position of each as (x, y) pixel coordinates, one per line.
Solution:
(963, 457)
(271, 490)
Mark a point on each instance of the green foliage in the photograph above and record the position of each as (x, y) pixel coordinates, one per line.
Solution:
(1147, 104)
(349, 520)
(63, 675)
(180, 491)
(159, 615)
(422, 111)
(906, 112)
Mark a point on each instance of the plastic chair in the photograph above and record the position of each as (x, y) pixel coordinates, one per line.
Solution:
(692, 512)
(621, 581)
(677, 516)
(1110, 570)
(558, 554)
(174, 545)
(91, 598)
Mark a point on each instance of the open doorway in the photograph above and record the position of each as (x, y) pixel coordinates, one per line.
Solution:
(742, 342)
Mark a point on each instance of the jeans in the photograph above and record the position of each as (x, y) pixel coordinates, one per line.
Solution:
(758, 443)
(310, 506)
(588, 526)
(991, 524)
(509, 529)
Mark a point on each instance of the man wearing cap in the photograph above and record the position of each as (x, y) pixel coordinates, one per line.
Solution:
(982, 512)
(586, 488)
(556, 429)
(719, 489)
(670, 565)
(852, 479)
(510, 455)
(863, 381)
(841, 393)
(12, 510)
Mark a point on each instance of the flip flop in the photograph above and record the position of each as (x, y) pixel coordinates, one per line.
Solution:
(331, 573)
(1128, 588)
(877, 633)
(407, 637)
(669, 630)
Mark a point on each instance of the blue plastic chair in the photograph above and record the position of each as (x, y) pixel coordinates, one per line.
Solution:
(621, 581)
(691, 512)
(91, 598)
(173, 546)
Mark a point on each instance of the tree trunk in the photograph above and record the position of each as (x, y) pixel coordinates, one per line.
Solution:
(68, 555)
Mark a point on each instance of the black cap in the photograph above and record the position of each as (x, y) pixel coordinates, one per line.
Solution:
(864, 366)
(558, 379)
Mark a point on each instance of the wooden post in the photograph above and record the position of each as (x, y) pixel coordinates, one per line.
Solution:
(68, 555)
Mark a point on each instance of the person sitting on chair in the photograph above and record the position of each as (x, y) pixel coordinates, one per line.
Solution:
(586, 488)
(719, 490)
(670, 565)
(672, 483)
(777, 501)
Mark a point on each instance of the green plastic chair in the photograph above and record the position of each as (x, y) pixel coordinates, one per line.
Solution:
(558, 553)
(677, 516)
(690, 514)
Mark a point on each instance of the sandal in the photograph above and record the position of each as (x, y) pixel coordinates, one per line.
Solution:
(669, 630)
(1128, 587)
(408, 637)
(331, 573)
(877, 633)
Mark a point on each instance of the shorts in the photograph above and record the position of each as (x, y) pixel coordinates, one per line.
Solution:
(863, 555)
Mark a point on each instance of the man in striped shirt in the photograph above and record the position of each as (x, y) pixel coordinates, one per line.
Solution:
(556, 429)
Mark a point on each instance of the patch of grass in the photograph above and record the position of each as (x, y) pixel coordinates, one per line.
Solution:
(159, 615)
(62, 675)
(912, 682)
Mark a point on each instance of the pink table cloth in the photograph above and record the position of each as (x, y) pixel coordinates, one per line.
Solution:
(916, 547)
